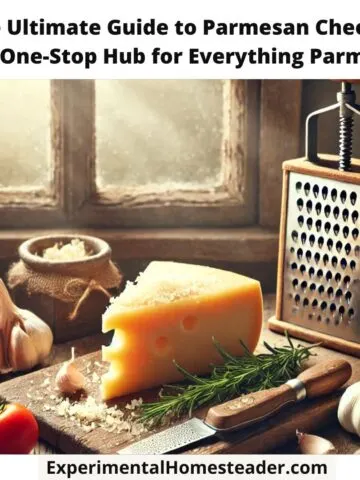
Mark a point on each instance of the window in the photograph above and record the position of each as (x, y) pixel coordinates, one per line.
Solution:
(150, 153)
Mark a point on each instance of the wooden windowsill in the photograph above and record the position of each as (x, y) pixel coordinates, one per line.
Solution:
(240, 245)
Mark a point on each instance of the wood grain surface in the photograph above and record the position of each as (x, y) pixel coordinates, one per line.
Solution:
(269, 436)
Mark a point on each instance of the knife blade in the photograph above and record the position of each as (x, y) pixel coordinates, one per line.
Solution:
(246, 410)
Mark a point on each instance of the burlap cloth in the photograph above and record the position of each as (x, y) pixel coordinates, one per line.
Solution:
(72, 287)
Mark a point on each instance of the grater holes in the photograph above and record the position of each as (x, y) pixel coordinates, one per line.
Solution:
(336, 229)
(303, 285)
(346, 232)
(353, 198)
(330, 292)
(294, 266)
(347, 248)
(306, 302)
(343, 263)
(334, 194)
(303, 238)
(323, 306)
(298, 186)
(320, 241)
(357, 251)
(299, 253)
(321, 289)
(338, 278)
(327, 211)
(314, 303)
(320, 273)
(318, 225)
(324, 192)
(338, 293)
(317, 258)
(347, 281)
(318, 208)
(307, 188)
(352, 265)
(355, 216)
(311, 272)
(313, 287)
(294, 235)
(309, 223)
(310, 316)
(297, 299)
(345, 214)
(328, 275)
(348, 296)
(334, 262)
(316, 191)
(336, 212)
(351, 313)
(327, 227)
(300, 220)
(343, 196)
(341, 310)
(326, 259)
(312, 240)
(300, 204)
(319, 318)
(308, 255)
(292, 250)
(302, 269)
(309, 206)
(295, 283)
(332, 308)
(330, 244)
(338, 246)
(355, 233)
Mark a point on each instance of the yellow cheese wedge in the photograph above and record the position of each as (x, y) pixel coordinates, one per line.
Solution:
(173, 312)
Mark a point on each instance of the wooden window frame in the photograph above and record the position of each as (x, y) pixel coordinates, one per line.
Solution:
(276, 123)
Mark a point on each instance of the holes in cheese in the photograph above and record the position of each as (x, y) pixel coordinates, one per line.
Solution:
(173, 312)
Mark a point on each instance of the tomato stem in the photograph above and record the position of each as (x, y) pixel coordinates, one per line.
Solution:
(2, 406)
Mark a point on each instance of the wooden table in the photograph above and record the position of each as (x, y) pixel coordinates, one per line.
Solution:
(344, 442)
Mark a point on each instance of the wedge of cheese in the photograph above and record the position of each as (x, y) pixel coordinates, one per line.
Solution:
(172, 312)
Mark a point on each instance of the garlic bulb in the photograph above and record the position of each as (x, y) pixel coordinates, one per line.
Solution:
(68, 379)
(349, 409)
(314, 445)
(25, 340)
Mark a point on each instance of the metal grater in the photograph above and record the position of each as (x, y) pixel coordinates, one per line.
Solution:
(318, 289)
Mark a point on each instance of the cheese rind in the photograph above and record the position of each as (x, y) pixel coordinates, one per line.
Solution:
(173, 313)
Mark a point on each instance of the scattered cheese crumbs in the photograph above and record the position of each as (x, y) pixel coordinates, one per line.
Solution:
(29, 395)
(90, 415)
(95, 377)
(75, 250)
(46, 408)
(45, 383)
(134, 404)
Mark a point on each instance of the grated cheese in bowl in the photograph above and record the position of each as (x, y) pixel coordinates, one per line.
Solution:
(75, 250)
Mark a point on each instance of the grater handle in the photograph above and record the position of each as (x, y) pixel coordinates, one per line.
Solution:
(244, 411)
(325, 377)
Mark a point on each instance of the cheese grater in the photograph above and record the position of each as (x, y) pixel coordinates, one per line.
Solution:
(318, 285)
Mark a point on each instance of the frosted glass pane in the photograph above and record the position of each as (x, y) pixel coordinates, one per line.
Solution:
(158, 131)
(24, 133)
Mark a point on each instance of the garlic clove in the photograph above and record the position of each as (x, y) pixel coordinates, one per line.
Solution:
(22, 353)
(314, 445)
(69, 379)
(349, 409)
(39, 332)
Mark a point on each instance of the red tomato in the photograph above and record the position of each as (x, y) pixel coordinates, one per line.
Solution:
(19, 430)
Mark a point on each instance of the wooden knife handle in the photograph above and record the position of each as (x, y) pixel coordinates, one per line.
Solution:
(325, 377)
(254, 407)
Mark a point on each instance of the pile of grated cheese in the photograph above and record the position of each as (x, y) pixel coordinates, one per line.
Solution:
(87, 413)
(75, 250)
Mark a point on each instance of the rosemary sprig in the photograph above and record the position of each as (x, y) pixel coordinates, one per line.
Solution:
(238, 375)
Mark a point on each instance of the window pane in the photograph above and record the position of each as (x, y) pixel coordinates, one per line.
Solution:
(158, 131)
(24, 133)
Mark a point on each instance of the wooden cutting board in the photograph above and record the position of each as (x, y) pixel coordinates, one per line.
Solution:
(36, 389)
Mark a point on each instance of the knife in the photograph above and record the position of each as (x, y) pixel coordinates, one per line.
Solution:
(246, 410)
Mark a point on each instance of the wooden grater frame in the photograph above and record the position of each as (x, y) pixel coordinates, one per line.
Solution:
(326, 167)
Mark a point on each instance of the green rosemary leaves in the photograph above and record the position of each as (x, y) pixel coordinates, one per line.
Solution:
(238, 375)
